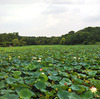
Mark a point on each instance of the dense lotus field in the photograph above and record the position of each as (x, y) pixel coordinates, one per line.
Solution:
(50, 72)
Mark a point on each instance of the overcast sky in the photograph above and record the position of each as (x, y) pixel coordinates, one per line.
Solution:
(48, 17)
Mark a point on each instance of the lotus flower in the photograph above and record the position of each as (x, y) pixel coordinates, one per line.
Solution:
(42, 73)
(93, 89)
(41, 69)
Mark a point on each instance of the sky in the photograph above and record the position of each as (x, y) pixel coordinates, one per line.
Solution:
(48, 17)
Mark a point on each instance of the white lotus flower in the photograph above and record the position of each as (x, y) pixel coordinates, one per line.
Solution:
(38, 60)
(93, 89)
(9, 58)
(79, 58)
(18, 56)
(34, 57)
(74, 57)
(43, 73)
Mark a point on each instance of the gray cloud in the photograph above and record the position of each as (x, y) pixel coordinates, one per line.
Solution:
(55, 9)
(50, 1)
(66, 1)
(74, 1)
(47, 17)
(20, 1)
(92, 13)
(92, 19)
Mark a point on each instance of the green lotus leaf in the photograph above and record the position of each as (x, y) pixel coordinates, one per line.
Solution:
(87, 95)
(54, 78)
(62, 94)
(32, 67)
(50, 64)
(48, 84)
(17, 72)
(82, 75)
(79, 81)
(30, 81)
(25, 93)
(65, 80)
(75, 87)
(74, 96)
(64, 74)
(4, 91)
(56, 87)
(2, 75)
(44, 76)
(11, 96)
(10, 80)
(68, 68)
(77, 67)
(35, 74)
(2, 97)
(95, 82)
(40, 85)
(53, 72)
(82, 89)
(2, 84)
(92, 73)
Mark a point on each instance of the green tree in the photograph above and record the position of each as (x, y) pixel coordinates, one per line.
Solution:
(22, 42)
(5, 37)
(15, 42)
(62, 41)
(71, 32)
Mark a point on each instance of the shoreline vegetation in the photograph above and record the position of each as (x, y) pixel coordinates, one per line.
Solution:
(86, 36)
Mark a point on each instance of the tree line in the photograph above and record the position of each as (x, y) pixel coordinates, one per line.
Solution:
(88, 35)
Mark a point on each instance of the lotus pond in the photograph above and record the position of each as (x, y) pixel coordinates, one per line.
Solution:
(50, 72)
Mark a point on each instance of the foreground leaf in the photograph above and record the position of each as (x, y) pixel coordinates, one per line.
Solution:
(62, 94)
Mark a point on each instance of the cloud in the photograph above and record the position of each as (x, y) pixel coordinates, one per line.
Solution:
(90, 13)
(66, 1)
(92, 1)
(47, 17)
(74, 1)
(50, 1)
(55, 9)
(20, 1)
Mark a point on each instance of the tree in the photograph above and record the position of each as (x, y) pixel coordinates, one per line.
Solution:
(22, 42)
(5, 37)
(71, 32)
(85, 43)
(89, 35)
(15, 42)
(62, 41)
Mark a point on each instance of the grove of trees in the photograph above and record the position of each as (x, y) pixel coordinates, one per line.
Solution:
(88, 35)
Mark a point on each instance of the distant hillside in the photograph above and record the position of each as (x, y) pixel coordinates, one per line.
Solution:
(88, 35)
